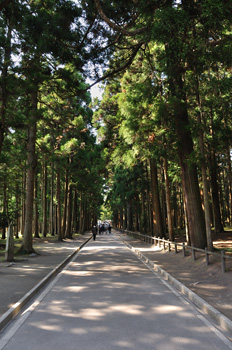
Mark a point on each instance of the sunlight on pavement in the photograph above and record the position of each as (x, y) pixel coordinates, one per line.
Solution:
(79, 331)
(52, 328)
(184, 341)
(155, 248)
(75, 289)
(90, 314)
(166, 309)
(124, 344)
(130, 310)
(99, 247)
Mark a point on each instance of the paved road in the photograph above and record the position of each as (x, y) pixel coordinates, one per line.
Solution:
(106, 299)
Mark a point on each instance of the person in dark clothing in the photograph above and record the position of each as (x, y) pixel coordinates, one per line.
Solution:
(94, 231)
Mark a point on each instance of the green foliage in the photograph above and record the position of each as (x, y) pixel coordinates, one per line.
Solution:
(188, 43)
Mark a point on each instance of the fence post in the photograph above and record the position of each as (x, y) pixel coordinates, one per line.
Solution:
(159, 241)
(163, 244)
(169, 246)
(223, 261)
(206, 257)
(176, 251)
(184, 252)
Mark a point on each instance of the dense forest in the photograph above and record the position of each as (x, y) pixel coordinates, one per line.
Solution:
(155, 151)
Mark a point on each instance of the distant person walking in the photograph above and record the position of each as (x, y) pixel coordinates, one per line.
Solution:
(94, 232)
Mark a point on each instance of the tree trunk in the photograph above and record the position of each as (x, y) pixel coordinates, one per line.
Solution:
(44, 202)
(204, 174)
(229, 184)
(59, 230)
(17, 210)
(74, 214)
(149, 203)
(52, 231)
(4, 92)
(129, 217)
(218, 227)
(5, 205)
(157, 217)
(65, 204)
(143, 214)
(196, 222)
(36, 221)
(24, 179)
(168, 201)
(68, 233)
(31, 165)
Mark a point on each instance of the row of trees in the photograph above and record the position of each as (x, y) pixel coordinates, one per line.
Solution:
(50, 163)
(166, 121)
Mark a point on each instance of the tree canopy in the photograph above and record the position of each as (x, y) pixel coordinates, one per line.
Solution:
(155, 150)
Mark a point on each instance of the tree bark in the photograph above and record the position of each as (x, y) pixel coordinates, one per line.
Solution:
(44, 202)
(204, 172)
(17, 210)
(157, 217)
(229, 184)
(195, 216)
(4, 92)
(74, 214)
(65, 204)
(5, 207)
(129, 216)
(31, 165)
(52, 231)
(24, 179)
(168, 201)
(218, 227)
(81, 222)
(143, 227)
(59, 228)
(68, 233)
(36, 221)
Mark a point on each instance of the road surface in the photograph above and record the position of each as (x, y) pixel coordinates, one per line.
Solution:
(107, 299)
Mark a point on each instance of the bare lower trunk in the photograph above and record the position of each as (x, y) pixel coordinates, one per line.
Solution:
(68, 233)
(195, 216)
(168, 201)
(52, 230)
(4, 88)
(157, 217)
(36, 221)
(218, 226)
(229, 184)
(31, 162)
(204, 176)
(74, 213)
(45, 185)
(31, 166)
(59, 231)
(65, 204)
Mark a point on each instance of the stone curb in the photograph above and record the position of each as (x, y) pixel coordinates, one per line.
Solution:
(206, 308)
(17, 307)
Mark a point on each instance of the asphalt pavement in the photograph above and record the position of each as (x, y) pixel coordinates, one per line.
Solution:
(106, 298)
